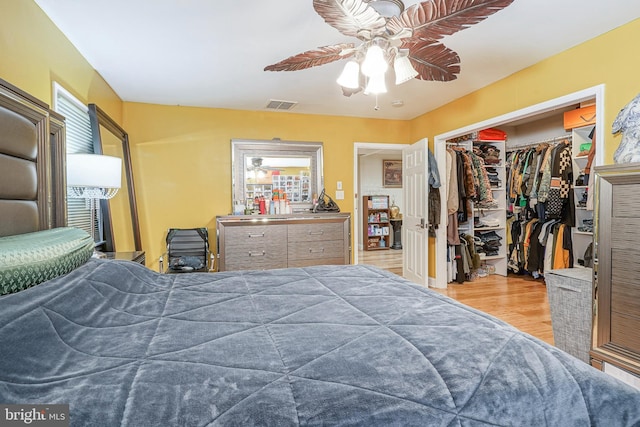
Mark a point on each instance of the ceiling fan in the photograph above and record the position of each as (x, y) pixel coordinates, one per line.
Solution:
(390, 34)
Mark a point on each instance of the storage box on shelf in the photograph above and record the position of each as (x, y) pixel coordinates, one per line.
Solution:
(376, 221)
(580, 117)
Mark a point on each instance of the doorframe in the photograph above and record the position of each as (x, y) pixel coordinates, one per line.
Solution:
(439, 146)
(356, 217)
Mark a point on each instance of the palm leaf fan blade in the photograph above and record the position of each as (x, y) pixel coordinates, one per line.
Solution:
(432, 20)
(350, 16)
(434, 61)
(313, 58)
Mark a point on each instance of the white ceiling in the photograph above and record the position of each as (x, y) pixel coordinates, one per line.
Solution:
(211, 53)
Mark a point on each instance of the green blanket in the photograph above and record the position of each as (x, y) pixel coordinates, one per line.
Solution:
(32, 258)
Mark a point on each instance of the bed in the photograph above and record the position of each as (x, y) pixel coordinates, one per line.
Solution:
(323, 345)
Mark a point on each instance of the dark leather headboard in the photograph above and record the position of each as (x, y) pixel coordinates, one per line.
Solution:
(29, 194)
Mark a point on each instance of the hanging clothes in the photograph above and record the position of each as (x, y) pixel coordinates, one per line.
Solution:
(434, 200)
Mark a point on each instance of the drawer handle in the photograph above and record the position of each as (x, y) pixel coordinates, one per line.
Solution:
(317, 233)
(256, 235)
(586, 119)
(263, 253)
(318, 251)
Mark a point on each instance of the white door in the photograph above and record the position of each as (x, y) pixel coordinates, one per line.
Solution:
(415, 240)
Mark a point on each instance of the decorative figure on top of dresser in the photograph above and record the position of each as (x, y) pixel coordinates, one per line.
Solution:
(628, 122)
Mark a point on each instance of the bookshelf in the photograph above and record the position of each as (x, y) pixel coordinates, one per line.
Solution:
(376, 222)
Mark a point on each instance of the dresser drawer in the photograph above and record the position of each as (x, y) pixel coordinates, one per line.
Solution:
(255, 259)
(255, 247)
(318, 250)
(316, 232)
(251, 235)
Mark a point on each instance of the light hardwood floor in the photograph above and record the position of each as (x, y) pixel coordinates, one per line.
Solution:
(517, 299)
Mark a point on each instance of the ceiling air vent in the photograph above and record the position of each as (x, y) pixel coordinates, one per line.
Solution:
(276, 104)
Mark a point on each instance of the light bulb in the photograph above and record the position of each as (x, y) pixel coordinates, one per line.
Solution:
(403, 67)
(350, 76)
(374, 61)
(376, 85)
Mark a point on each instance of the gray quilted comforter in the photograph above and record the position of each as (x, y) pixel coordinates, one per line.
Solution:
(335, 345)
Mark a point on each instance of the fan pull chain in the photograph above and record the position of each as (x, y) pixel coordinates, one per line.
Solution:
(376, 107)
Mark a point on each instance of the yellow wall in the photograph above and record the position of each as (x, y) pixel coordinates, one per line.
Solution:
(182, 159)
(606, 59)
(181, 156)
(34, 54)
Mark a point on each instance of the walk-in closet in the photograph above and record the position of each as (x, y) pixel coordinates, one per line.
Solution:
(518, 195)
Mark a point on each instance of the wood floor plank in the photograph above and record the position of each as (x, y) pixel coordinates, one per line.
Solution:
(517, 299)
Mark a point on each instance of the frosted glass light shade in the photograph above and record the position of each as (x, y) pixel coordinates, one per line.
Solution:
(376, 85)
(374, 62)
(350, 76)
(403, 68)
(93, 175)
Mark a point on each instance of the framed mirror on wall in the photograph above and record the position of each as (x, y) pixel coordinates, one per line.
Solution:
(120, 213)
(262, 168)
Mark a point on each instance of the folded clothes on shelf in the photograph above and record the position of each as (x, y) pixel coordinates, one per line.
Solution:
(486, 205)
(486, 222)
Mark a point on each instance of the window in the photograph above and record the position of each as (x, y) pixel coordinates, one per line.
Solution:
(79, 140)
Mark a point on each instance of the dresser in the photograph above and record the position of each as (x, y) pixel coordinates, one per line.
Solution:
(617, 268)
(249, 242)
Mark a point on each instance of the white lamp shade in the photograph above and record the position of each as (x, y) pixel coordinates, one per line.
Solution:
(350, 76)
(403, 68)
(376, 85)
(374, 62)
(93, 171)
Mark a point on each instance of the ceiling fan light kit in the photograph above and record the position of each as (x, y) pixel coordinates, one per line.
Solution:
(374, 61)
(376, 85)
(390, 34)
(350, 76)
(403, 68)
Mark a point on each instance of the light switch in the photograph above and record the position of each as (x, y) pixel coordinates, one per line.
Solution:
(339, 195)
(339, 185)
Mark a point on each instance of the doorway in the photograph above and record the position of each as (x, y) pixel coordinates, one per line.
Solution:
(367, 180)
(595, 93)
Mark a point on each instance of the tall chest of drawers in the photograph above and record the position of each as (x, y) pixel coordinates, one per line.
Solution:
(279, 241)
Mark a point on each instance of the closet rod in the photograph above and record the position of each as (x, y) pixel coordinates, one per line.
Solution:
(544, 141)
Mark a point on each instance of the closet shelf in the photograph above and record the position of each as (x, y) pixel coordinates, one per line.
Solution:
(487, 209)
(481, 229)
(482, 258)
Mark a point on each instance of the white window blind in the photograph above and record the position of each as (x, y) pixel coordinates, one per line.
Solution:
(78, 138)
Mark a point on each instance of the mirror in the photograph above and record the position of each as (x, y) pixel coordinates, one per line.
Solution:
(262, 168)
(119, 214)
